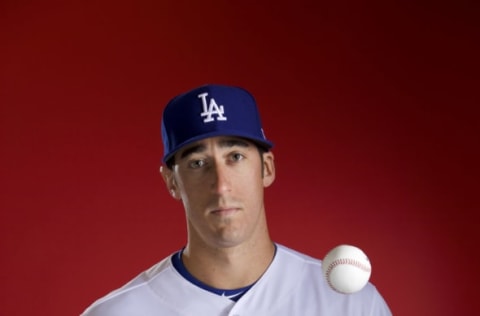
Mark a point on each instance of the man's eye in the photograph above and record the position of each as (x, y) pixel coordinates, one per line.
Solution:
(197, 164)
(237, 157)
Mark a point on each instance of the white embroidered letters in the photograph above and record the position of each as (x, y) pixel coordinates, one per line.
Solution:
(211, 109)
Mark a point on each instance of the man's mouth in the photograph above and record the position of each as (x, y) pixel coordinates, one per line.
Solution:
(225, 210)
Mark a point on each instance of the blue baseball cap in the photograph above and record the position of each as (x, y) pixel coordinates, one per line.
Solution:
(207, 111)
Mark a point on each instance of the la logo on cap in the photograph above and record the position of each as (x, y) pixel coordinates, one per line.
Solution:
(211, 109)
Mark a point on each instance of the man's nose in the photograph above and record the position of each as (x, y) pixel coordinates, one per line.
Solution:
(221, 178)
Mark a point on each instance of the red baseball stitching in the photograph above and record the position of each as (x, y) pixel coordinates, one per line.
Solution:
(349, 261)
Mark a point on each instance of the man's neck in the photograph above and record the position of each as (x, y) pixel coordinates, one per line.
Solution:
(229, 268)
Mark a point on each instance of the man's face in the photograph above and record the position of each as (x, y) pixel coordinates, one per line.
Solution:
(220, 181)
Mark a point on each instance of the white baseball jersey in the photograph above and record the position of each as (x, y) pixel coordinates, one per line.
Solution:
(292, 285)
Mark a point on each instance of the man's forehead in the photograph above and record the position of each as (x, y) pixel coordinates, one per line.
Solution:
(220, 141)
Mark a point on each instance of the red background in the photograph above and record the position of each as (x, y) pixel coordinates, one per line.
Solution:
(371, 108)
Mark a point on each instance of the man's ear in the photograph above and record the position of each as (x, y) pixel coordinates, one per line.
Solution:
(171, 184)
(268, 169)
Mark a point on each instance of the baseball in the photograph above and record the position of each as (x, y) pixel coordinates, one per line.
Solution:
(346, 269)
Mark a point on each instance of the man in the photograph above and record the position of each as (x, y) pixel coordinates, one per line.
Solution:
(217, 162)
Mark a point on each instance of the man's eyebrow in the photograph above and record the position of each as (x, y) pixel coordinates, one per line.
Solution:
(233, 142)
(191, 150)
(223, 143)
